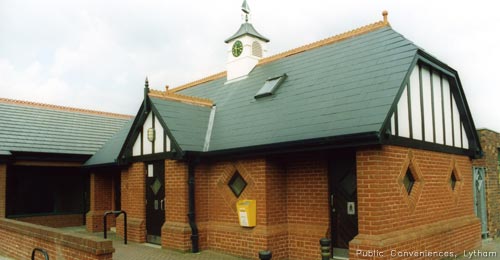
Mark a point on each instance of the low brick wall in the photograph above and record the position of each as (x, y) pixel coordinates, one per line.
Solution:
(55, 221)
(17, 240)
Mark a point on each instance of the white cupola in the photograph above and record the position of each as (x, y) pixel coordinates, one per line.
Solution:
(244, 48)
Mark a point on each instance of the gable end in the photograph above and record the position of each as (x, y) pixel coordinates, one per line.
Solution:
(137, 145)
(430, 111)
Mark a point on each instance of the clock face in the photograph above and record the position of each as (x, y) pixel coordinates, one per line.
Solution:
(237, 48)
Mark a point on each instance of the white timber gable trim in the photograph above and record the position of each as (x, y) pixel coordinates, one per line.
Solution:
(427, 110)
(160, 142)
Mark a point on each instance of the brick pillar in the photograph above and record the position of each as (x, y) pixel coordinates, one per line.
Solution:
(3, 189)
(133, 198)
(175, 232)
(100, 201)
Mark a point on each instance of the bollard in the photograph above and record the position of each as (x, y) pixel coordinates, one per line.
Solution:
(265, 255)
(325, 248)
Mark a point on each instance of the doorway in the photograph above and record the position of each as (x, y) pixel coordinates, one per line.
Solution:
(155, 200)
(480, 198)
(343, 202)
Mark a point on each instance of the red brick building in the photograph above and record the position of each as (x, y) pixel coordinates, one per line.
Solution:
(362, 137)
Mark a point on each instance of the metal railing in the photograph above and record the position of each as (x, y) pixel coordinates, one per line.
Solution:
(41, 250)
(117, 213)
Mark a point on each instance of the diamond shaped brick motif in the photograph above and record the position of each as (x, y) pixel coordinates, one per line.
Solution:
(411, 181)
(155, 186)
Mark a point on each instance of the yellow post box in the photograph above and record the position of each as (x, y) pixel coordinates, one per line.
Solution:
(247, 213)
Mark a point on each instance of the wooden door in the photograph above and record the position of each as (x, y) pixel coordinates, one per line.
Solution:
(343, 201)
(155, 200)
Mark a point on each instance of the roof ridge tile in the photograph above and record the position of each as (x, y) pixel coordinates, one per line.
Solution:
(326, 41)
(171, 95)
(330, 40)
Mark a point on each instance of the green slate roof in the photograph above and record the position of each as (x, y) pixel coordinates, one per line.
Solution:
(246, 29)
(338, 89)
(111, 149)
(187, 123)
(40, 128)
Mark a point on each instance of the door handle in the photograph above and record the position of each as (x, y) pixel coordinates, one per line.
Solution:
(162, 204)
(331, 203)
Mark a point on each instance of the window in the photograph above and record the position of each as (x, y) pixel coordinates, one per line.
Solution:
(45, 190)
(237, 184)
(256, 49)
(270, 86)
(408, 181)
(453, 180)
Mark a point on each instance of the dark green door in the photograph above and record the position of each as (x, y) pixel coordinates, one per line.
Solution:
(343, 201)
(155, 200)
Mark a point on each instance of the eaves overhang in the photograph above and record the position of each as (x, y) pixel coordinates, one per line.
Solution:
(316, 144)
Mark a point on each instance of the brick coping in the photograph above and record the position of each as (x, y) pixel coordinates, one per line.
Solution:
(85, 243)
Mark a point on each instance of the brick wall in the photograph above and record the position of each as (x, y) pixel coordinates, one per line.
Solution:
(101, 197)
(222, 229)
(268, 182)
(307, 203)
(133, 197)
(490, 142)
(55, 221)
(59, 245)
(433, 217)
(176, 231)
(292, 206)
(3, 190)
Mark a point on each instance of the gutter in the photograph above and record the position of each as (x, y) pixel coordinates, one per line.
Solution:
(191, 211)
(323, 143)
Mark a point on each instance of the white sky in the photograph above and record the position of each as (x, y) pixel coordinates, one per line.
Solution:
(96, 54)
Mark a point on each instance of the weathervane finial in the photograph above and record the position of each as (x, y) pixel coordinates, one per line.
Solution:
(246, 9)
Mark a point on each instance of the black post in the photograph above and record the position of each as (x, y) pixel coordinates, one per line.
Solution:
(191, 213)
(117, 213)
(45, 254)
(325, 248)
(265, 255)
(105, 224)
(124, 227)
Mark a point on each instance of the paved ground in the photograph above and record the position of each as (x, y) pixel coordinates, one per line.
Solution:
(489, 250)
(135, 251)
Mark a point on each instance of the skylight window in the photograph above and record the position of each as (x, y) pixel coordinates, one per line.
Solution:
(270, 86)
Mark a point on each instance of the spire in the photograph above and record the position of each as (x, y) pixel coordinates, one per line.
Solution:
(146, 92)
(246, 9)
(246, 28)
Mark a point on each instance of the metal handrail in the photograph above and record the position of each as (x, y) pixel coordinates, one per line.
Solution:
(117, 213)
(41, 250)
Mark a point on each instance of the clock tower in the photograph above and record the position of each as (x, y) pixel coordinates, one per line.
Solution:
(244, 48)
